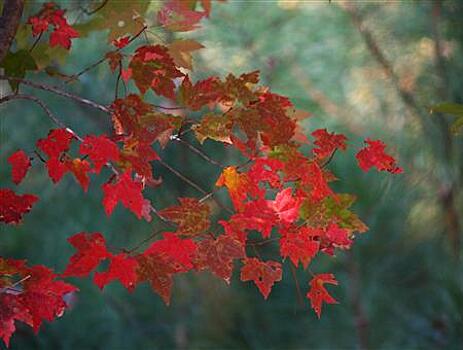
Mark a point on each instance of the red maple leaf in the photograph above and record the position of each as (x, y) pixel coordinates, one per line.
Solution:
(158, 269)
(337, 236)
(153, 67)
(39, 25)
(11, 310)
(91, 250)
(257, 215)
(100, 149)
(266, 170)
(191, 216)
(13, 206)
(123, 268)
(43, 295)
(239, 186)
(300, 244)
(178, 250)
(176, 15)
(318, 293)
(62, 36)
(126, 191)
(57, 142)
(50, 14)
(80, 169)
(327, 142)
(264, 274)
(286, 206)
(373, 155)
(217, 255)
(29, 294)
(20, 164)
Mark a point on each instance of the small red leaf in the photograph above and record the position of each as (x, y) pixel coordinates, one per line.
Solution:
(79, 168)
(100, 149)
(327, 143)
(318, 293)
(20, 164)
(13, 206)
(57, 141)
(62, 36)
(373, 155)
(91, 250)
(286, 206)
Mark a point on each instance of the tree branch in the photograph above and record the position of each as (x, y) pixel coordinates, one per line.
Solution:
(9, 23)
(59, 92)
(47, 110)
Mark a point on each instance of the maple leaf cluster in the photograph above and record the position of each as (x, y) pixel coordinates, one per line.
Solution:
(282, 194)
(30, 294)
(52, 15)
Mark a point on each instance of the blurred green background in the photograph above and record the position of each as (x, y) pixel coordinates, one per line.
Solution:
(368, 69)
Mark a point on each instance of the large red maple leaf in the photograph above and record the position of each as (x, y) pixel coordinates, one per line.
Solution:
(178, 250)
(218, 255)
(126, 191)
(300, 244)
(191, 216)
(264, 274)
(91, 250)
(100, 149)
(123, 268)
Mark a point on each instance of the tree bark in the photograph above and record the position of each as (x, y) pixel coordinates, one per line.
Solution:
(9, 23)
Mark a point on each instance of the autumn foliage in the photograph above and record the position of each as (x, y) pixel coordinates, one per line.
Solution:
(282, 191)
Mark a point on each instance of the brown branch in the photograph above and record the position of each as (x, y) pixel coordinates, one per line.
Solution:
(101, 60)
(197, 151)
(194, 185)
(375, 50)
(448, 193)
(360, 318)
(47, 111)
(60, 92)
(9, 23)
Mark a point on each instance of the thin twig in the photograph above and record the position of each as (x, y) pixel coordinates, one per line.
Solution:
(59, 92)
(36, 42)
(147, 239)
(101, 60)
(193, 184)
(263, 242)
(298, 287)
(197, 151)
(330, 158)
(182, 177)
(95, 10)
(48, 112)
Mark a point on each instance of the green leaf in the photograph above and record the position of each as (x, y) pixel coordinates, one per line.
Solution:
(453, 109)
(449, 108)
(457, 126)
(16, 64)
